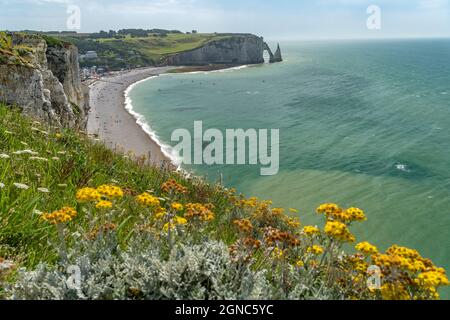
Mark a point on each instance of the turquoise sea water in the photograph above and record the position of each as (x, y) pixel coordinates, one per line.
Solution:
(363, 123)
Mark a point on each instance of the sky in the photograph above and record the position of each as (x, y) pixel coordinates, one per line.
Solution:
(273, 19)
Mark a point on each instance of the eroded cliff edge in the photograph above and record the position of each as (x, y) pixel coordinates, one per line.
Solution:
(227, 49)
(41, 76)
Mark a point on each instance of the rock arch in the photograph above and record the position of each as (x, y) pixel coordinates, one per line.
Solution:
(277, 57)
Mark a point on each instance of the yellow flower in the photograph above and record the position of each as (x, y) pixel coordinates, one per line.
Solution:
(64, 215)
(328, 208)
(432, 279)
(147, 200)
(87, 195)
(197, 210)
(334, 212)
(300, 264)
(277, 211)
(311, 231)
(104, 204)
(277, 253)
(395, 291)
(317, 250)
(244, 225)
(366, 248)
(111, 192)
(168, 225)
(339, 231)
(160, 213)
(294, 222)
(180, 220)
(174, 222)
(177, 206)
(356, 214)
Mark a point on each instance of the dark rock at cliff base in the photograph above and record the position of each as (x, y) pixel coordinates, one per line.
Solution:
(229, 49)
(277, 57)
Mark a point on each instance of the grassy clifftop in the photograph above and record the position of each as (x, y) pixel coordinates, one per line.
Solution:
(138, 232)
(129, 51)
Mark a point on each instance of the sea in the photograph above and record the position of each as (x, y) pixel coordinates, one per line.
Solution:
(362, 123)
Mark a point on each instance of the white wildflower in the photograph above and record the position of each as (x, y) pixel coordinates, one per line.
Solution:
(2, 185)
(26, 152)
(4, 156)
(8, 132)
(38, 158)
(24, 143)
(37, 212)
(43, 190)
(55, 158)
(21, 186)
(62, 152)
(62, 185)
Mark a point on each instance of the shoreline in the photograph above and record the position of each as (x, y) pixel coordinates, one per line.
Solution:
(112, 119)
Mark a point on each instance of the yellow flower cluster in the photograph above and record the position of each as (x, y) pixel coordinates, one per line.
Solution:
(277, 211)
(334, 212)
(174, 222)
(300, 264)
(356, 214)
(173, 186)
(277, 253)
(147, 200)
(394, 291)
(87, 195)
(366, 248)
(339, 231)
(293, 222)
(104, 205)
(328, 209)
(64, 215)
(404, 268)
(251, 202)
(432, 279)
(197, 210)
(244, 225)
(317, 250)
(311, 231)
(177, 206)
(160, 213)
(110, 192)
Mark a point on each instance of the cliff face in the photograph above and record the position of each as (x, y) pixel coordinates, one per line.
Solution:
(44, 81)
(227, 49)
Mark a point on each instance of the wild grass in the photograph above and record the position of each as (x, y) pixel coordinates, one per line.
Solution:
(59, 161)
(140, 232)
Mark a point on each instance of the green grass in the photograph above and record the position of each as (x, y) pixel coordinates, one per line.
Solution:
(73, 161)
(143, 51)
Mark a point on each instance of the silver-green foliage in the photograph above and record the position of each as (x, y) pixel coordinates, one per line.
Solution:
(144, 271)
